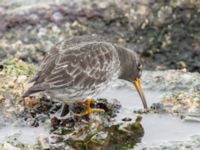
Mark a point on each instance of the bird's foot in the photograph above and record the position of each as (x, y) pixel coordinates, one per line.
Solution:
(89, 110)
(64, 110)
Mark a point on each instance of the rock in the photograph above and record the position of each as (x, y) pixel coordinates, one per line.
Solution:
(167, 45)
(44, 142)
(1, 98)
(21, 79)
(182, 3)
(181, 65)
(164, 13)
(42, 32)
(56, 29)
(126, 119)
(143, 10)
(177, 109)
(8, 146)
(57, 17)
(192, 119)
(34, 18)
(157, 108)
(56, 139)
(145, 2)
(3, 54)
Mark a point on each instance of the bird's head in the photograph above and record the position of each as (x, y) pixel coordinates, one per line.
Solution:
(131, 70)
(136, 82)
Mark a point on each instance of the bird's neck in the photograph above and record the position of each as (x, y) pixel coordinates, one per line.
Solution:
(126, 63)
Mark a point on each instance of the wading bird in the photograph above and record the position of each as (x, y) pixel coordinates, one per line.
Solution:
(79, 68)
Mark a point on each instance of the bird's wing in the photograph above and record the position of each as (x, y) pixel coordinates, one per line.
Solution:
(48, 62)
(83, 66)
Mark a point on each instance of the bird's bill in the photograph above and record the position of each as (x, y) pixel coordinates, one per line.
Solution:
(140, 91)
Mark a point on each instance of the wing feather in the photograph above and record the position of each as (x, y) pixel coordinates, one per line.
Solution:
(84, 69)
(85, 65)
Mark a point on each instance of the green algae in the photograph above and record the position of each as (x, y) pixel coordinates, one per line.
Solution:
(18, 68)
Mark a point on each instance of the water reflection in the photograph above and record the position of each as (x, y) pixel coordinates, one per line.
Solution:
(116, 137)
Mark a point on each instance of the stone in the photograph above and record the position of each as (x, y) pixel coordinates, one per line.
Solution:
(57, 17)
(8, 146)
(3, 54)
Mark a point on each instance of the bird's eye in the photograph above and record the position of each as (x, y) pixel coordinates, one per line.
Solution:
(139, 66)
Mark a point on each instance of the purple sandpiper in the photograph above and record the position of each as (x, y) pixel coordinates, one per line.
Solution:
(80, 67)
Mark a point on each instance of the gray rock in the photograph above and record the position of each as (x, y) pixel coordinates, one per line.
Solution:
(34, 18)
(42, 32)
(57, 17)
(3, 54)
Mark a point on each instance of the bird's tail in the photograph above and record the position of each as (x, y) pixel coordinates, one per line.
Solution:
(34, 89)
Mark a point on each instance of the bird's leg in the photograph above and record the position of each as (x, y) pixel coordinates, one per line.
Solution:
(89, 109)
(64, 110)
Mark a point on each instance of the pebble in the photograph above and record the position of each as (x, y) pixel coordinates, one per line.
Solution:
(1, 99)
(21, 79)
(42, 32)
(56, 139)
(192, 119)
(57, 17)
(164, 13)
(44, 142)
(56, 29)
(34, 18)
(3, 54)
(126, 119)
(8, 146)
(181, 65)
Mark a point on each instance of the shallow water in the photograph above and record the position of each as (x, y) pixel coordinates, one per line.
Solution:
(159, 128)
(165, 128)
(25, 135)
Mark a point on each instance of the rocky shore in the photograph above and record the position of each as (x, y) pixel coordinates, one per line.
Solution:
(165, 34)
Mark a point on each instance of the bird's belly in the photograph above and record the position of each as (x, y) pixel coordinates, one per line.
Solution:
(74, 94)
(71, 95)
